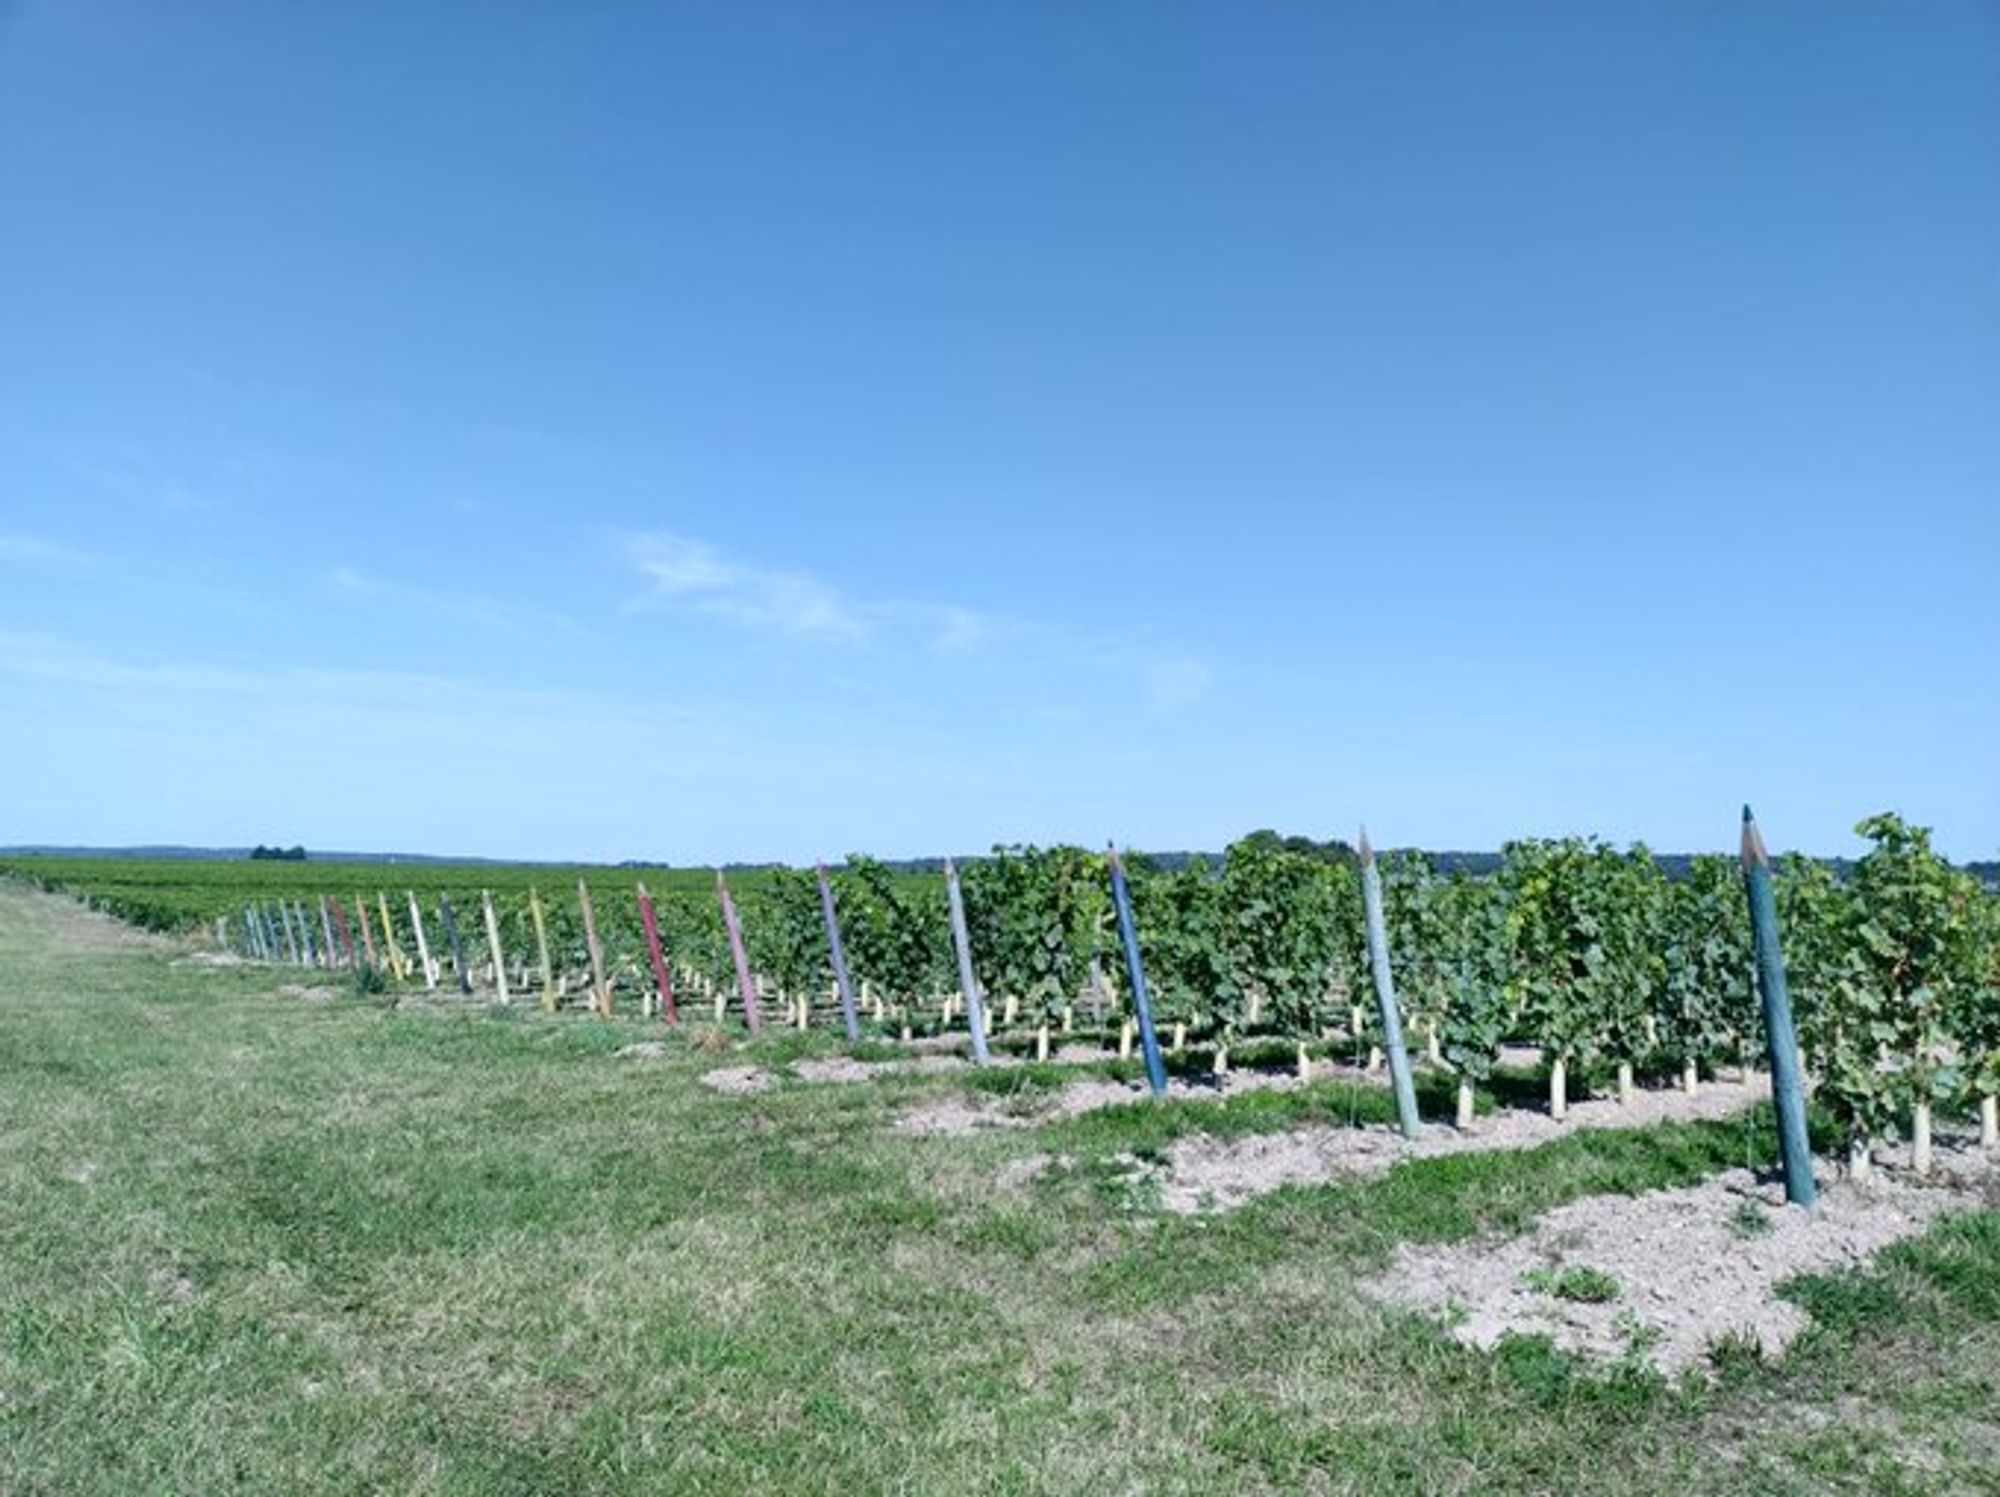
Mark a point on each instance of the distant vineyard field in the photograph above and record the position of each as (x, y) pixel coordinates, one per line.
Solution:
(1591, 953)
(181, 894)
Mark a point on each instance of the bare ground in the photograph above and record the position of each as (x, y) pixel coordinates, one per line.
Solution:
(955, 1114)
(739, 1081)
(1692, 1268)
(1209, 1174)
(842, 1070)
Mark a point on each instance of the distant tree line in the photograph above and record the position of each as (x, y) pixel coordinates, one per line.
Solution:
(261, 853)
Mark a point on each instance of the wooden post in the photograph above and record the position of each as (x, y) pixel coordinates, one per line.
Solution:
(1385, 993)
(841, 984)
(745, 988)
(459, 969)
(367, 936)
(542, 949)
(398, 963)
(598, 985)
(1135, 972)
(663, 981)
(295, 913)
(423, 946)
(493, 945)
(975, 1008)
(1787, 1087)
(349, 951)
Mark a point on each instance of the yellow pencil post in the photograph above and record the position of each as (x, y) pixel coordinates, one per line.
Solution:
(493, 946)
(399, 964)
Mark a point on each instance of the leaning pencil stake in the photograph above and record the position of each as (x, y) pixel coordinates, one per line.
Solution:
(598, 985)
(975, 1010)
(1787, 1087)
(1135, 970)
(746, 989)
(838, 955)
(493, 947)
(1385, 993)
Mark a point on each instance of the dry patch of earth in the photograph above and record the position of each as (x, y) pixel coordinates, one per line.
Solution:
(955, 1114)
(841, 1070)
(739, 1081)
(1669, 1275)
(1209, 1174)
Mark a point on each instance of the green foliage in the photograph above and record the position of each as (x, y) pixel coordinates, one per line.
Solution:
(1583, 943)
(786, 932)
(1573, 943)
(1914, 953)
(1977, 1026)
(1184, 937)
(1288, 935)
(1815, 923)
(1410, 893)
(1036, 917)
(1466, 925)
(1707, 993)
(1575, 1282)
(894, 928)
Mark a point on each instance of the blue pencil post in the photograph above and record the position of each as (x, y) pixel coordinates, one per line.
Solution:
(1788, 1091)
(968, 981)
(1135, 969)
(1385, 993)
(838, 955)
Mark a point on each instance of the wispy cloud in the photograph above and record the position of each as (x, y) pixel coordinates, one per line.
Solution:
(39, 552)
(689, 573)
(684, 572)
(483, 613)
(681, 571)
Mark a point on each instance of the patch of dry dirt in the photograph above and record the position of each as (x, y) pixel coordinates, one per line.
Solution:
(944, 1115)
(1208, 1174)
(1693, 1266)
(739, 1081)
(1082, 1055)
(841, 1070)
(642, 1050)
(957, 1114)
(310, 994)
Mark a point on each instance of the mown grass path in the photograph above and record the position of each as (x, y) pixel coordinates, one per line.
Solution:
(258, 1242)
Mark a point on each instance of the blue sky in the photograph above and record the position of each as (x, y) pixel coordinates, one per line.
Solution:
(766, 430)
